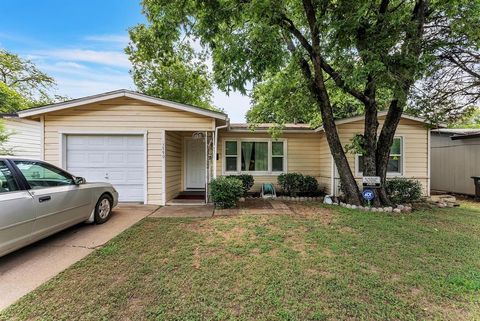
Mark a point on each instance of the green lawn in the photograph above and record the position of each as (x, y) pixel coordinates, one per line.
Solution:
(320, 264)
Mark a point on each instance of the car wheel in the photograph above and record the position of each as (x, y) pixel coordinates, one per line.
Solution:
(103, 209)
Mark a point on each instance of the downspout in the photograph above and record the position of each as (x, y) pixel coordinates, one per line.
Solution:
(215, 146)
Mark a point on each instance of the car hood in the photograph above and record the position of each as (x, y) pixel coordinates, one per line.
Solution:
(98, 184)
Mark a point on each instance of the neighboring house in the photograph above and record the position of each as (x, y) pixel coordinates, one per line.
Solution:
(25, 137)
(153, 149)
(455, 159)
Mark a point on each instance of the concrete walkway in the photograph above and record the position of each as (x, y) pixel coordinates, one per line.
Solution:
(24, 270)
(249, 207)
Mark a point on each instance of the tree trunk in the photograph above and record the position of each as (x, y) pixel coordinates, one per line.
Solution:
(370, 140)
(385, 141)
(349, 185)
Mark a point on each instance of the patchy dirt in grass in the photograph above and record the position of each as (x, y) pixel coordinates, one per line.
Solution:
(196, 258)
(347, 230)
(325, 215)
(237, 233)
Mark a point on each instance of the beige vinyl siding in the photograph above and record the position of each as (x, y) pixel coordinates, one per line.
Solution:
(325, 165)
(415, 147)
(25, 138)
(303, 154)
(454, 162)
(125, 115)
(174, 161)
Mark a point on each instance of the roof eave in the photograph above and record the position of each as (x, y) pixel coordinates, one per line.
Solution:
(381, 114)
(118, 94)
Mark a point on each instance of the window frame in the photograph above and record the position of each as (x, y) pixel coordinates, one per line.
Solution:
(389, 174)
(25, 180)
(20, 185)
(239, 171)
(230, 156)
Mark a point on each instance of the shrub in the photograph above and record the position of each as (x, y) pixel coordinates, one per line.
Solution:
(310, 185)
(226, 191)
(247, 181)
(294, 184)
(402, 190)
(291, 183)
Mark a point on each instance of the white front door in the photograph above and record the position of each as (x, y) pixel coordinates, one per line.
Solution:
(116, 159)
(195, 163)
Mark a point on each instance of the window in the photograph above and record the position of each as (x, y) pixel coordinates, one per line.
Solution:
(41, 175)
(277, 156)
(231, 156)
(395, 163)
(254, 156)
(7, 181)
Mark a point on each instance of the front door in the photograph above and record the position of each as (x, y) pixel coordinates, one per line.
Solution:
(195, 163)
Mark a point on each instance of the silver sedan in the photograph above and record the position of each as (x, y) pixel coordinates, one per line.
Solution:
(38, 199)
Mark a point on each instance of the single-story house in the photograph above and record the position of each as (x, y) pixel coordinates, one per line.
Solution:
(153, 149)
(24, 135)
(455, 159)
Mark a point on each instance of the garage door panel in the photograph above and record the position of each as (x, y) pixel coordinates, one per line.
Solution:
(116, 159)
(135, 157)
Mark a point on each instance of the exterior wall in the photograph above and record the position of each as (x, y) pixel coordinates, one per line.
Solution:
(174, 164)
(326, 163)
(415, 149)
(124, 115)
(454, 162)
(25, 139)
(303, 154)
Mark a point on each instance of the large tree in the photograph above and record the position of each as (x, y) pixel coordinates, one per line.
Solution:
(373, 51)
(23, 84)
(169, 65)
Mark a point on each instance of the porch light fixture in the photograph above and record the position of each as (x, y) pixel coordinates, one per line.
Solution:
(198, 135)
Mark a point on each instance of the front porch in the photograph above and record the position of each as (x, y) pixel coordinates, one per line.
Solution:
(188, 166)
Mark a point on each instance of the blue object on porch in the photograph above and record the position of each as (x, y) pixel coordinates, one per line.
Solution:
(268, 191)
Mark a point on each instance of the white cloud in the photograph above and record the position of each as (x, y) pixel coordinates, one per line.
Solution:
(111, 38)
(80, 73)
(77, 80)
(110, 58)
(70, 64)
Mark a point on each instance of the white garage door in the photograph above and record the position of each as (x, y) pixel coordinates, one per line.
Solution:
(116, 159)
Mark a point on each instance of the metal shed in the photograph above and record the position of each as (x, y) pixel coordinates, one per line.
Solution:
(455, 158)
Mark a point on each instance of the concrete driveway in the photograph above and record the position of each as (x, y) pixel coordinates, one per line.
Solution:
(24, 270)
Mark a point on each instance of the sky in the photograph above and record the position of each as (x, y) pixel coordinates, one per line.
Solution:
(80, 44)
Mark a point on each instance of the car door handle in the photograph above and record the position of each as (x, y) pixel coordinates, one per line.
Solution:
(44, 199)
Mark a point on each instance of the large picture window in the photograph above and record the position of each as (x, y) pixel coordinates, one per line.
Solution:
(254, 156)
(395, 163)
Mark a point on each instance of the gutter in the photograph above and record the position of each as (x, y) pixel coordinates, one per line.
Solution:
(215, 146)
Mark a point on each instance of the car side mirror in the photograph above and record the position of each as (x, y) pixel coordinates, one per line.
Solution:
(79, 180)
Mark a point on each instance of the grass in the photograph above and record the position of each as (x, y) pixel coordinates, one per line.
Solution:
(319, 264)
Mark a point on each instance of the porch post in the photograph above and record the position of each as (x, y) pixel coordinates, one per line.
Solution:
(206, 167)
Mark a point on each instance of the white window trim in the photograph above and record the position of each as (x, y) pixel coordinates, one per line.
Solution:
(239, 141)
(389, 174)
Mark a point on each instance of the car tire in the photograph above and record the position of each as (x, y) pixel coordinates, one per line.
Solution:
(103, 209)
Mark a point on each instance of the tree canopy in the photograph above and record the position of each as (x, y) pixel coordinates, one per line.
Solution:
(166, 64)
(23, 85)
(360, 55)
